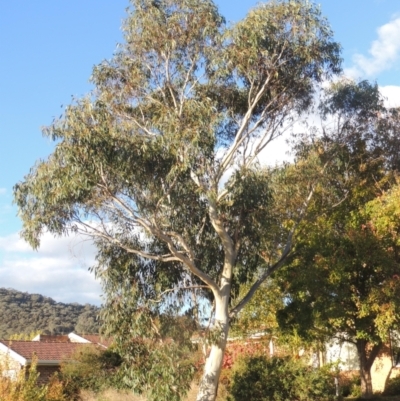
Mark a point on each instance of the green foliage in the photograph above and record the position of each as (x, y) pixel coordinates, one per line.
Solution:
(147, 362)
(141, 166)
(264, 35)
(343, 277)
(164, 356)
(344, 272)
(88, 321)
(24, 336)
(360, 101)
(24, 314)
(260, 378)
(392, 387)
(24, 387)
(90, 369)
(155, 345)
(351, 386)
(153, 126)
(260, 313)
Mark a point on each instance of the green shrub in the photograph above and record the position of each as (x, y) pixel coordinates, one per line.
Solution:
(259, 378)
(392, 387)
(90, 369)
(351, 386)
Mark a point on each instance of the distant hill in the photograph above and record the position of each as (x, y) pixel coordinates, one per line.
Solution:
(21, 312)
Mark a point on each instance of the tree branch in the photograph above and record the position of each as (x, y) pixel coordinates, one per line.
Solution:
(190, 287)
(272, 268)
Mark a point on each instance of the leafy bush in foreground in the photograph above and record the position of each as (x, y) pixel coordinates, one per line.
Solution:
(90, 369)
(392, 387)
(23, 386)
(259, 378)
(351, 386)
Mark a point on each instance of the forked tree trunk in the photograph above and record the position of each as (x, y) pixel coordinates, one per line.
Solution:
(212, 370)
(367, 357)
(366, 383)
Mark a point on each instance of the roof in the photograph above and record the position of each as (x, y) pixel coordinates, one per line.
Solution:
(51, 353)
(96, 339)
(46, 338)
(90, 338)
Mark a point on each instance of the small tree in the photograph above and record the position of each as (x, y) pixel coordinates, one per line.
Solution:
(259, 378)
(158, 165)
(342, 279)
(260, 313)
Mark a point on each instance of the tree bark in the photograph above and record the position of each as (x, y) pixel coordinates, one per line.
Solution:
(212, 369)
(367, 357)
(366, 382)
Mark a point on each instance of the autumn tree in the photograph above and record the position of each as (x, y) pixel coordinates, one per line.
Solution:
(260, 313)
(159, 164)
(343, 278)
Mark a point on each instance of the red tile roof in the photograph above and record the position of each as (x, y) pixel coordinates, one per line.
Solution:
(45, 351)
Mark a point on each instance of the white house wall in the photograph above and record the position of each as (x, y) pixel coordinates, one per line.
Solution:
(344, 353)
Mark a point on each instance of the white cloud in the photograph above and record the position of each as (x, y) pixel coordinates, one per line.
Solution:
(391, 94)
(276, 152)
(3, 191)
(74, 246)
(13, 243)
(384, 52)
(58, 270)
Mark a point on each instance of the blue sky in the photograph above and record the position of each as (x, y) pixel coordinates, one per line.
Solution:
(48, 49)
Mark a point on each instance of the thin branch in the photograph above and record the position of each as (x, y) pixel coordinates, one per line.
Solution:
(182, 242)
(185, 84)
(189, 263)
(168, 82)
(191, 287)
(94, 232)
(239, 135)
(167, 192)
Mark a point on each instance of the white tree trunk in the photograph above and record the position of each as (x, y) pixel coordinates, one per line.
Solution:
(212, 369)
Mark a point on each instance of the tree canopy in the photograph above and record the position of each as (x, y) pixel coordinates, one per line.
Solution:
(159, 164)
(342, 280)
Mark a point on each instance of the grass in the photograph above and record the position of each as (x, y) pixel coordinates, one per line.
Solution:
(114, 395)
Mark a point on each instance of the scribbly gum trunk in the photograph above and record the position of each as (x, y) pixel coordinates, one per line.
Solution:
(367, 355)
(212, 370)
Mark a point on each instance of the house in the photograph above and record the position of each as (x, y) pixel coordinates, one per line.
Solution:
(16, 355)
(50, 351)
(386, 365)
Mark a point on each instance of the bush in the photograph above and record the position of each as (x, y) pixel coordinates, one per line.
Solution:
(259, 378)
(90, 369)
(22, 386)
(392, 387)
(351, 386)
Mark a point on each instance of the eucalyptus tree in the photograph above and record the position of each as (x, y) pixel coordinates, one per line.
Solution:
(158, 164)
